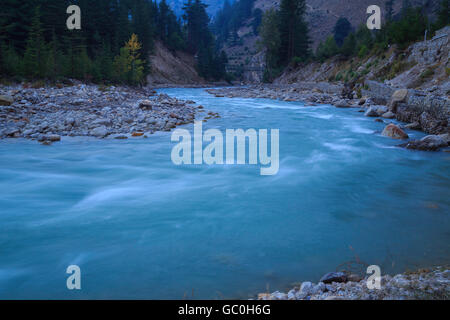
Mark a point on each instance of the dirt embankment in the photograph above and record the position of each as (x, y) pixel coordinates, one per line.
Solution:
(168, 68)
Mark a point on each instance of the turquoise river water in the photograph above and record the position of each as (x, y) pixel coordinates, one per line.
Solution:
(141, 227)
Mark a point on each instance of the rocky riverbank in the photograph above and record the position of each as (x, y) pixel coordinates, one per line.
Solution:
(420, 110)
(46, 114)
(424, 284)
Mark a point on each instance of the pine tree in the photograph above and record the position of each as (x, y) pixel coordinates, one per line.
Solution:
(35, 52)
(341, 30)
(293, 30)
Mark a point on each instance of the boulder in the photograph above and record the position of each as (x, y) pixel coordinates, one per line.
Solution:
(99, 132)
(397, 97)
(394, 132)
(342, 104)
(388, 115)
(413, 126)
(334, 277)
(376, 111)
(6, 100)
(145, 105)
(53, 138)
(428, 143)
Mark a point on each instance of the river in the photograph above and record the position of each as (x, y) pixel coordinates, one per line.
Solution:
(141, 227)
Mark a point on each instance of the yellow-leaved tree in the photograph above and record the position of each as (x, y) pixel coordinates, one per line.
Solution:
(128, 67)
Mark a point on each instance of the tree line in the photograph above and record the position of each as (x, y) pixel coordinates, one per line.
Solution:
(402, 29)
(113, 45)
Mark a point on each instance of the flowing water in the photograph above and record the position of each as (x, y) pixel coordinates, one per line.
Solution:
(140, 227)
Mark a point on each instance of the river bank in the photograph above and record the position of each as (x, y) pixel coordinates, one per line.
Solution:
(423, 284)
(423, 111)
(47, 113)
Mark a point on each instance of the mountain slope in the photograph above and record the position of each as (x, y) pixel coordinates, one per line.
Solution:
(169, 67)
(321, 17)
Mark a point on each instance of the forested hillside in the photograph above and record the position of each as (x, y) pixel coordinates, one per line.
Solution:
(266, 35)
(114, 42)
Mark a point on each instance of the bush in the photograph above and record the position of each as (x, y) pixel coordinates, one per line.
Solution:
(363, 51)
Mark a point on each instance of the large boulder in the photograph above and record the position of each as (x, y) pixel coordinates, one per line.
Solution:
(397, 97)
(6, 100)
(394, 132)
(428, 143)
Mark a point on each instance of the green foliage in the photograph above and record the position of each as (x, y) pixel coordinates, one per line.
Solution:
(128, 67)
(284, 35)
(327, 49)
(270, 37)
(409, 28)
(362, 52)
(427, 74)
(293, 30)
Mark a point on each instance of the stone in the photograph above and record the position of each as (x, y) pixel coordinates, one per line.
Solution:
(397, 97)
(99, 132)
(146, 105)
(137, 134)
(394, 132)
(120, 137)
(342, 104)
(413, 126)
(354, 277)
(445, 137)
(376, 111)
(53, 137)
(428, 143)
(371, 112)
(306, 287)
(388, 115)
(6, 100)
(333, 277)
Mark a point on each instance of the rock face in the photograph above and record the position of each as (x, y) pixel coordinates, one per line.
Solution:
(394, 132)
(48, 113)
(432, 112)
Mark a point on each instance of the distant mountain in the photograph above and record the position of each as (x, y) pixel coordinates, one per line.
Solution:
(213, 6)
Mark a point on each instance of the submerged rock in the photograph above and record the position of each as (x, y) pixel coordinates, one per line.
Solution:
(394, 132)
